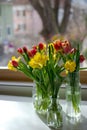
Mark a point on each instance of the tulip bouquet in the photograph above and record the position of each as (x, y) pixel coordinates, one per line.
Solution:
(72, 59)
(44, 63)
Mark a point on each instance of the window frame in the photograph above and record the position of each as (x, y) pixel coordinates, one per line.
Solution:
(16, 76)
(13, 76)
(9, 78)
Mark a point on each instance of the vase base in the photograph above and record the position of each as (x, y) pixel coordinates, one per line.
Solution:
(52, 126)
(73, 120)
(73, 116)
(41, 112)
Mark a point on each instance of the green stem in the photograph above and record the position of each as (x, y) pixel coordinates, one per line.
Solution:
(74, 83)
(75, 104)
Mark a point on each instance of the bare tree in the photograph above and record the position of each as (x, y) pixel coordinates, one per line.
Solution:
(49, 13)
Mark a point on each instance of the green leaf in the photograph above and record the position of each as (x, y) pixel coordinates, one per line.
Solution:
(77, 58)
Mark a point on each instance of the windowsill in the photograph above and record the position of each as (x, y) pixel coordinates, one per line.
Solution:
(16, 83)
(18, 113)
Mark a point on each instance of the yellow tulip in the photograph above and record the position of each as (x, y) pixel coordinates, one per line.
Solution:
(38, 61)
(70, 66)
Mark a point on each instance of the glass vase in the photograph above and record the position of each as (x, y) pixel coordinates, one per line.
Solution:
(40, 100)
(54, 114)
(73, 95)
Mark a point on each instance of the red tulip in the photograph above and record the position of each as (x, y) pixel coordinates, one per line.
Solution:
(57, 45)
(25, 49)
(82, 58)
(15, 63)
(32, 52)
(34, 47)
(66, 47)
(20, 50)
(41, 46)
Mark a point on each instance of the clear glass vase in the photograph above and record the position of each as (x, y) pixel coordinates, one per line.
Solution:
(54, 114)
(73, 96)
(40, 100)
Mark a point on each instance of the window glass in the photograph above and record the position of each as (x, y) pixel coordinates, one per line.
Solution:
(25, 22)
(24, 12)
(18, 13)
(21, 27)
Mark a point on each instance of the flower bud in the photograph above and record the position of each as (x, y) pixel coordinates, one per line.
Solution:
(32, 52)
(20, 50)
(41, 46)
(66, 47)
(57, 45)
(15, 63)
(82, 58)
(34, 47)
(25, 49)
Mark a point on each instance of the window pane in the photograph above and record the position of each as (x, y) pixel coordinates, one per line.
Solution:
(18, 12)
(23, 22)
(24, 12)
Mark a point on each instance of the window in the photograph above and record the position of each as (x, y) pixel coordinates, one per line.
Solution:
(21, 27)
(18, 13)
(21, 12)
(24, 13)
(24, 26)
(40, 27)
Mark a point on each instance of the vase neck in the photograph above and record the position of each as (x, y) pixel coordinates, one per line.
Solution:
(73, 78)
(54, 100)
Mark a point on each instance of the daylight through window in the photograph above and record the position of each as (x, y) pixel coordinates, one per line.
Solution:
(26, 23)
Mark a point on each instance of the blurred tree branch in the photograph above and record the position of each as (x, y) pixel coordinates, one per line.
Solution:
(49, 13)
